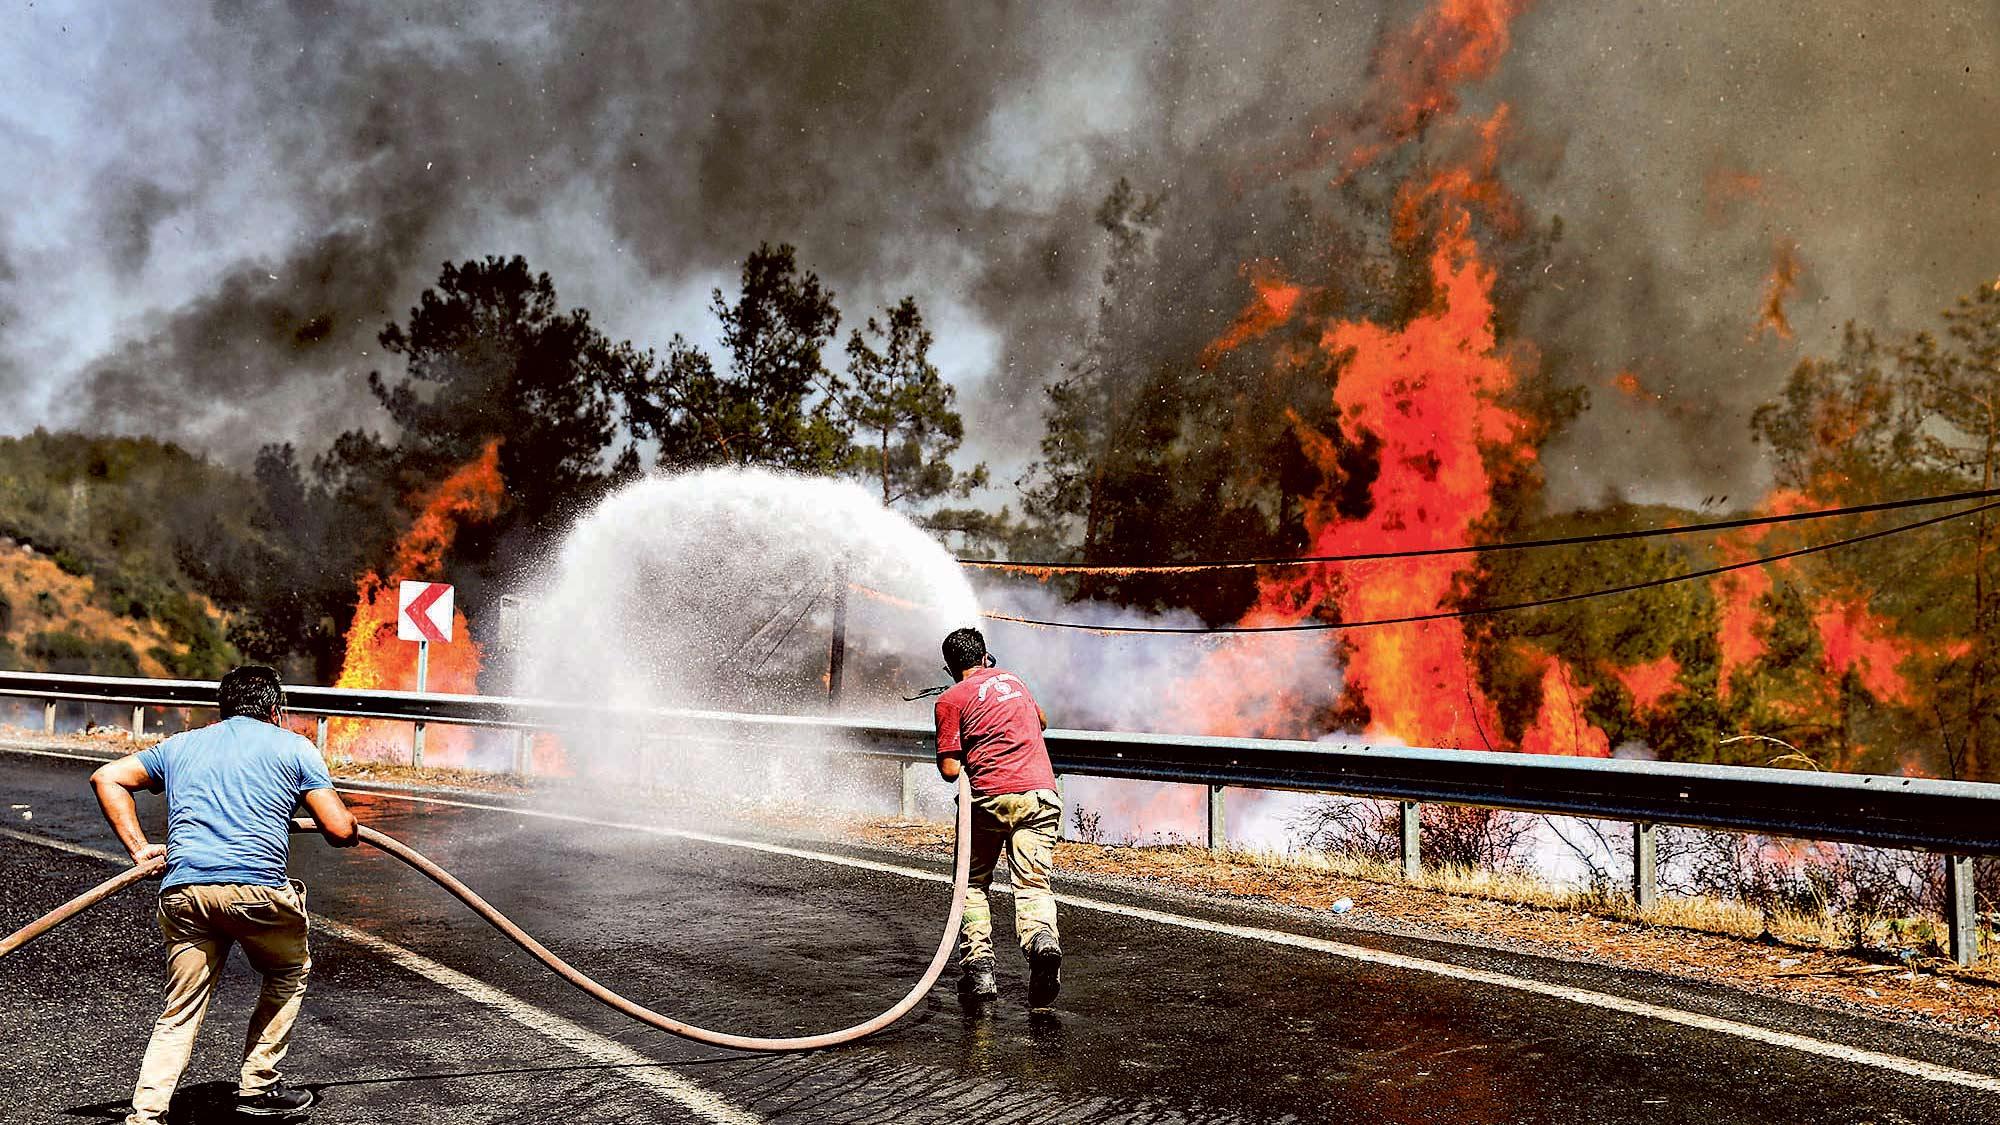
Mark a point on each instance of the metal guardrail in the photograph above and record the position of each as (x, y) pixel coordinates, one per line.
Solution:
(1956, 819)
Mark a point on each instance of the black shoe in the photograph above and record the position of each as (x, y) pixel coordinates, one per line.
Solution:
(278, 1101)
(1044, 971)
(976, 981)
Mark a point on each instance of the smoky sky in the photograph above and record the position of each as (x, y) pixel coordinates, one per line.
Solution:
(214, 211)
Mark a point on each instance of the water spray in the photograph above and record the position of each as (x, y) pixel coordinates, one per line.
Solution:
(424, 866)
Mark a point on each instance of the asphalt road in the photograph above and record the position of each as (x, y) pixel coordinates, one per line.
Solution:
(1172, 1010)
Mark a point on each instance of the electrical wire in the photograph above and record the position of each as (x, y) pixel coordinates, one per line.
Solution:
(1045, 569)
(789, 630)
(1506, 607)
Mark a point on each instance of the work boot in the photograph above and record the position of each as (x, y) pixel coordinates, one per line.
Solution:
(277, 1101)
(1044, 971)
(976, 981)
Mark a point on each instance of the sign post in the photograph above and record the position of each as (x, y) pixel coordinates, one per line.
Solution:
(423, 615)
(417, 735)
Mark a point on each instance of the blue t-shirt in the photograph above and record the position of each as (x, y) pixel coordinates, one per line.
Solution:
(231, 789)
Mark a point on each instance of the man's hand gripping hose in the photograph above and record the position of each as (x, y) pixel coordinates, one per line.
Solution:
(569, 972)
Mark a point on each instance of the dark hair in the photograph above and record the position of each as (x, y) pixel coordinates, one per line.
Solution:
(252, 690)
(964, 648)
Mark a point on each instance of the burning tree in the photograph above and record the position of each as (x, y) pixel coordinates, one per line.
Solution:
(1371, 396)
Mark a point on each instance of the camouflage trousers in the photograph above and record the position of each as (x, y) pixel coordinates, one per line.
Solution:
(1025, 826)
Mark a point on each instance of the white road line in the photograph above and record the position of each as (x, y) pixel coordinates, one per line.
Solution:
(1859, 1056)
(703, 1103)
(54, 754)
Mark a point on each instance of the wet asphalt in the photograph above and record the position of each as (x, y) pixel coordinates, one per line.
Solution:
(1155, 1024)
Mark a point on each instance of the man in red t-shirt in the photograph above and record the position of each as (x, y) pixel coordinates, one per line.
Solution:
(990, 727)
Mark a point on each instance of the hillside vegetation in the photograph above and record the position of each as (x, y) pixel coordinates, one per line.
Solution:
(113, 552)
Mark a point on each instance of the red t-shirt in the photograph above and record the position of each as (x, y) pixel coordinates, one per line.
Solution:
(990, 719)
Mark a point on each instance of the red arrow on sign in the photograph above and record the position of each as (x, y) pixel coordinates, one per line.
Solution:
(418, 611)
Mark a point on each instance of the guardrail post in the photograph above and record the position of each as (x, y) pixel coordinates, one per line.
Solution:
(138, 720)
(1645, 866)
(49, 717)
(1961, 907)
(524, 752)
(1412, 840)
(908, 774)
(319, 734)
(1218, 822)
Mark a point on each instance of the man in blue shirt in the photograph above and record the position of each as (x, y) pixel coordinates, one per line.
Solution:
(231, 789)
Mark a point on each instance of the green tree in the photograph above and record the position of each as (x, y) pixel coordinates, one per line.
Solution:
(775, 403)
(901, 411)
(489, 354)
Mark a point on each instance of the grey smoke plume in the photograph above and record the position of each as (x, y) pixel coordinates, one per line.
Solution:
(223, 207)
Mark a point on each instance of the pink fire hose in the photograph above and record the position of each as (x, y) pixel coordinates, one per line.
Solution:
(571, 973)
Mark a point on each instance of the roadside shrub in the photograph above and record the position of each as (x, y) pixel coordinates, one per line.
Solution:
(1089, 825)
(1449, 835)
(59, 650)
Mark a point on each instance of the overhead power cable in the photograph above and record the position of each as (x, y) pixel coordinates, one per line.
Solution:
(1051, 568)
(1505, 607)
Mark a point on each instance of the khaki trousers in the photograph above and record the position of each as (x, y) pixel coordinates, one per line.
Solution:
(1025, 825)
(200, 923)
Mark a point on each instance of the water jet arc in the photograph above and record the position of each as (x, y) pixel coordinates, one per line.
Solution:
(429, 869)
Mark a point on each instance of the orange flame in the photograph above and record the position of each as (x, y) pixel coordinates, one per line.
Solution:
(1559, 726)
(377, 659)
(1737, 597)
(1853, 638)
(1725, 187)
(1429, 393)
(1276, 299)
(1778, 288)
(1417, 74)
(1649, 683)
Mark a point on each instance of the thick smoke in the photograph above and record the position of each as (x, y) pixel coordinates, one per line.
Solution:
(11, 376)
(226, 206)
(1680, 143)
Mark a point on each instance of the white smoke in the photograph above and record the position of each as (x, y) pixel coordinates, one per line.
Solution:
(1184, 683)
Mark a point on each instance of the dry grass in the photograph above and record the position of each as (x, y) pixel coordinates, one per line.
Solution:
(1799, 959)
(390, 773)
(1703, 913)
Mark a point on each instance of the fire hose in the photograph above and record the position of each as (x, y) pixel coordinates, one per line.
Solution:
(514, 933)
